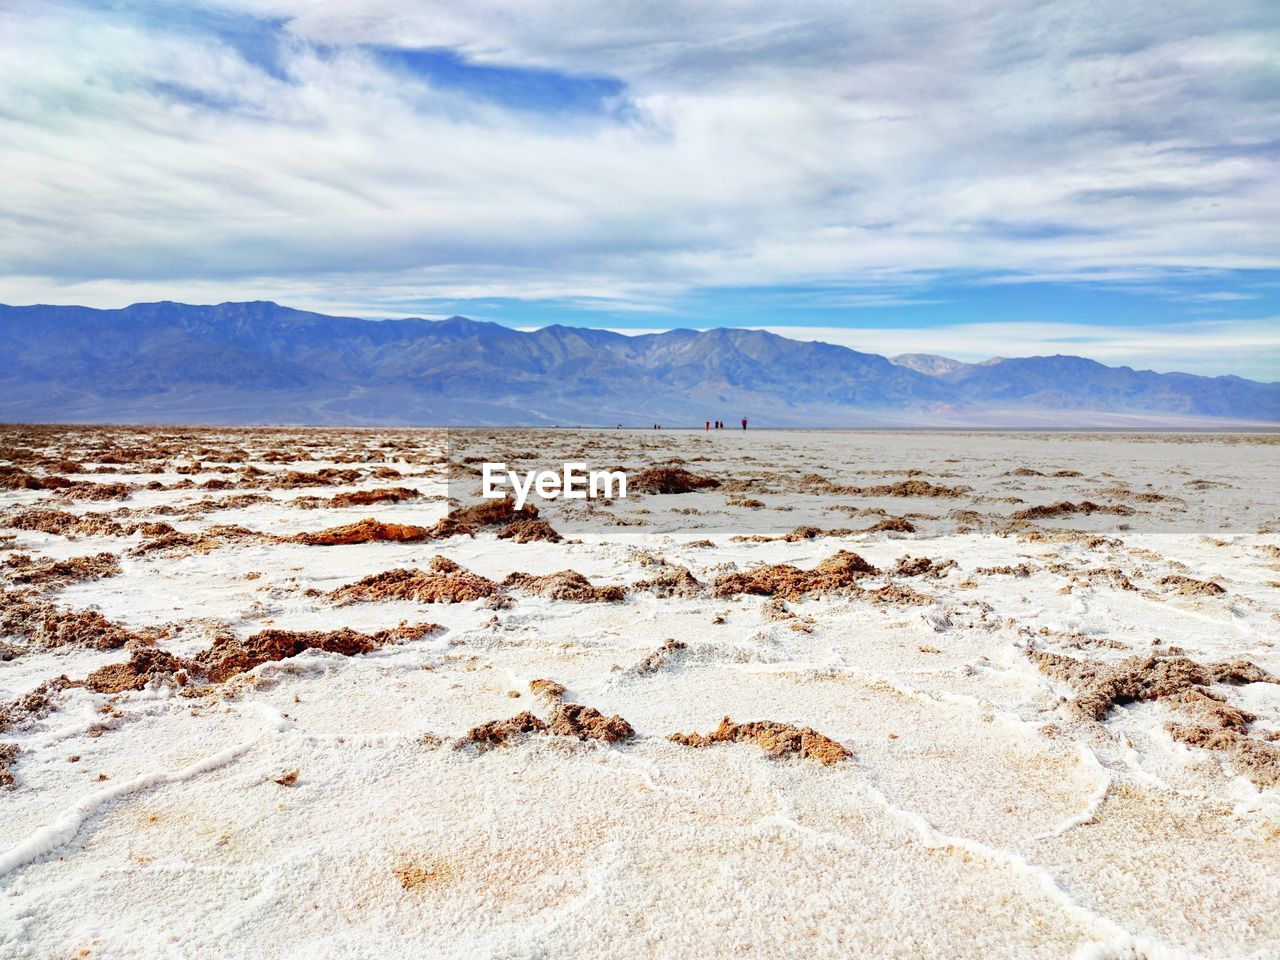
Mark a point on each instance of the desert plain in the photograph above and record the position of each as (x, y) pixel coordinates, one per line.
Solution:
(295, 692)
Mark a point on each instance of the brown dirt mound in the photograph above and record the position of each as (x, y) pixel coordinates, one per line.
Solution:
(1190, 587)
(63, 523)
(1256, 759)
(364, 498)
(775, 739)
(75, 570)
(657, 659)
(676, 582)
(229, 656)
(1066, 508)
(144, 665)
(1101, 686)
(34, 705)
(896, 593)
(892, 525)
(1021, 570)
(527, 531)
(668, 480)
(907, 488)
(364, 531)
(88, 490)
(565, 585)
(548, 690)
(445, 583)
(783, 580)
(488, 513)
(588, 723)
(497, 733)
(909, 566)
(8, 754)
(48, 625)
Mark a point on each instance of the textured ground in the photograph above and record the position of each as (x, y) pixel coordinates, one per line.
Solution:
(993, 729)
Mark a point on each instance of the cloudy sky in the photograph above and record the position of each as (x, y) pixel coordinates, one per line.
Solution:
(970, 177)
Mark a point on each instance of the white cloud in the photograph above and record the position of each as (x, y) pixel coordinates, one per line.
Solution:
(762, 143)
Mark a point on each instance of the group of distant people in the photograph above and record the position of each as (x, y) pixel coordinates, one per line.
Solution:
(710, 424)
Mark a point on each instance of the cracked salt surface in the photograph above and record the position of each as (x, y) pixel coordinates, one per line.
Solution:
(976, 818)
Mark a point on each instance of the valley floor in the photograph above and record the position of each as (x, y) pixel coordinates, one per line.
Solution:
(1020, 693)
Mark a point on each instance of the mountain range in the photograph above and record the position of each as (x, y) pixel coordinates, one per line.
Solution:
(261, 363)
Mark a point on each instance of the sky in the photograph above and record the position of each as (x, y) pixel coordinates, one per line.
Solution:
(964, 177)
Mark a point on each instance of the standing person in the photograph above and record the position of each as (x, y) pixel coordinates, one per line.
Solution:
(744, 423)
(708, 426)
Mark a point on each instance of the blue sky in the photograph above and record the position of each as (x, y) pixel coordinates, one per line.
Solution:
(970, 178)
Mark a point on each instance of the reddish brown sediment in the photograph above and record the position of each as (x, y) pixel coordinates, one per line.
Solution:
(145, 664)
(891, 525)
(670, 650)
(229, 655)
(775, 739)
(498, 733)
(669, 479)
(836, 573)
(34, 705)
(8, 754)
(565, 585)
(1102, 686)
(46, 624)
(673, 582)
(364, 531)
(488, 513)
(588, 723)
(364, 498)
(62, 523)
(909, 566)
(446, 582)
(1066, 508)
(63, 572)
(547, 690)
(1190, 587)
(528, 531)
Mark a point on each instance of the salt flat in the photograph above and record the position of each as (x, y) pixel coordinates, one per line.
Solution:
(1021, 683)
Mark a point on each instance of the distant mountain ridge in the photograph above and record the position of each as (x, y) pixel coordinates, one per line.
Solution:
(259, 362)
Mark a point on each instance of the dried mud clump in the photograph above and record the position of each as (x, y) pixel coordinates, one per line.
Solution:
(1257, 759)
(145, 664)
(63, 572)
(892, 525)
(528, 531)
(836, 573)
(908, 488)
(1066, 509)
(675, 582)
(365, 531)
(775, 739)
(48, 625)
(588, 723)
(8, 754)
(669, 480)
(34, 705)
(1190, 587)
(565, 585)
(909, 566)
(488, 513)
(1101, 686)
(498, 733)
(229, 656)
(670, 650)
(365, 498)
(62, 523)
(547, 690)
(445, 582)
